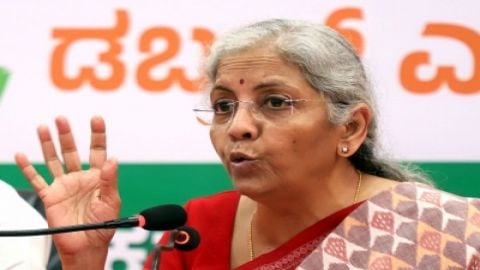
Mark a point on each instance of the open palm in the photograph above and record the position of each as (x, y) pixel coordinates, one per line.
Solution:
(76, 195)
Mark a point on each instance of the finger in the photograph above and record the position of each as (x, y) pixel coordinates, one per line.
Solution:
(35, 179)
(67, 144)
(50, 156)
(108, 183)
(98, 142)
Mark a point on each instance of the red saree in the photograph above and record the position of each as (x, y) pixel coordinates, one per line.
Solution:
(289, 255)
(213, 217)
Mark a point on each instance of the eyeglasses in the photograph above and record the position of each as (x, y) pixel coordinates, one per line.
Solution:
(272, 108)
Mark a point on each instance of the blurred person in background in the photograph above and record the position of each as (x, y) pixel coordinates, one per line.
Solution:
(28, 253)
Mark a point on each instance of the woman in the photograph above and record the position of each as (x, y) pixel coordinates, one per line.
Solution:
(293, 121)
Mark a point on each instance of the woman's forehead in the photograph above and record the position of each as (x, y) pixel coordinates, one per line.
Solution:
(259, 78)
(257, 68)
(256, 63)
(261, 64)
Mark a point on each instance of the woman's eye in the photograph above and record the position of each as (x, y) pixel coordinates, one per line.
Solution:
(223, 106)
(277, 102)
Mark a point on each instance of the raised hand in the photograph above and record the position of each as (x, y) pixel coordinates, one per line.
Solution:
(77, 196)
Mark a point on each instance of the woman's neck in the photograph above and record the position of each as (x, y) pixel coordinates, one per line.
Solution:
(278, 217)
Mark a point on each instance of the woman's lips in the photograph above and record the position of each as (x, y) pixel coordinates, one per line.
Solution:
(238, 157)
(241, 164)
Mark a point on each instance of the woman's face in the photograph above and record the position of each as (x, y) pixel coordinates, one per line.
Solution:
(273, 148)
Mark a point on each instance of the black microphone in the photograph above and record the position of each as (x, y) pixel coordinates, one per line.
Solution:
(159, 218)
(186, 238)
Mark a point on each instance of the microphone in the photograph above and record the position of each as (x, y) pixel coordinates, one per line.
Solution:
(159, 218)
(186, 238)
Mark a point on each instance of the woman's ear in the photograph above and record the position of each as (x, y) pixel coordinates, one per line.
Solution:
(354, 131)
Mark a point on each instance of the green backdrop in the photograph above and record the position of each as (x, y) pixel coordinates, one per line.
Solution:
(145, 185)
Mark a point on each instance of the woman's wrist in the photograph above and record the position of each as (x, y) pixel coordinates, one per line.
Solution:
(93, 258)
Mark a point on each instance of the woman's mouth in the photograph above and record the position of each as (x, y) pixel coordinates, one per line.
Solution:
(241, 164)
(238, 157)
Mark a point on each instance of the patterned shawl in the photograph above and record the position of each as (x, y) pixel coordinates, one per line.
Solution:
(411, 226)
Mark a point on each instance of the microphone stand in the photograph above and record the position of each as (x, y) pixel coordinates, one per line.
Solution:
(110, 224)
(159, 248)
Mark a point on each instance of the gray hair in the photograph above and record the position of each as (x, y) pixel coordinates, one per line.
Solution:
(332, 67)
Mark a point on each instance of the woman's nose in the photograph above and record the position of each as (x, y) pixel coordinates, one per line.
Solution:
(244, 123)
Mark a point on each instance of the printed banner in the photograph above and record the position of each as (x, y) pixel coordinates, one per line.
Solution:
(137, 65)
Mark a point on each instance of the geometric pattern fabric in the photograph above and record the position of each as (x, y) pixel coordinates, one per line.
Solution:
(411, 226)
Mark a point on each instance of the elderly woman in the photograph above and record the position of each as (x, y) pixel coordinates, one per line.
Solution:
(292, 118)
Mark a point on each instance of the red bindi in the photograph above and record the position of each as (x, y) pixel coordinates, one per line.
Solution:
(242, 81)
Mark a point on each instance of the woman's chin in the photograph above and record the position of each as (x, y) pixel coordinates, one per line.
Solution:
(249, 188)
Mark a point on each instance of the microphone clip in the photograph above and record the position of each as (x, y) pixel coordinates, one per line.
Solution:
(159, 248)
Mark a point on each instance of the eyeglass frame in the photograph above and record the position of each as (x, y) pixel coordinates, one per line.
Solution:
(235, 105)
